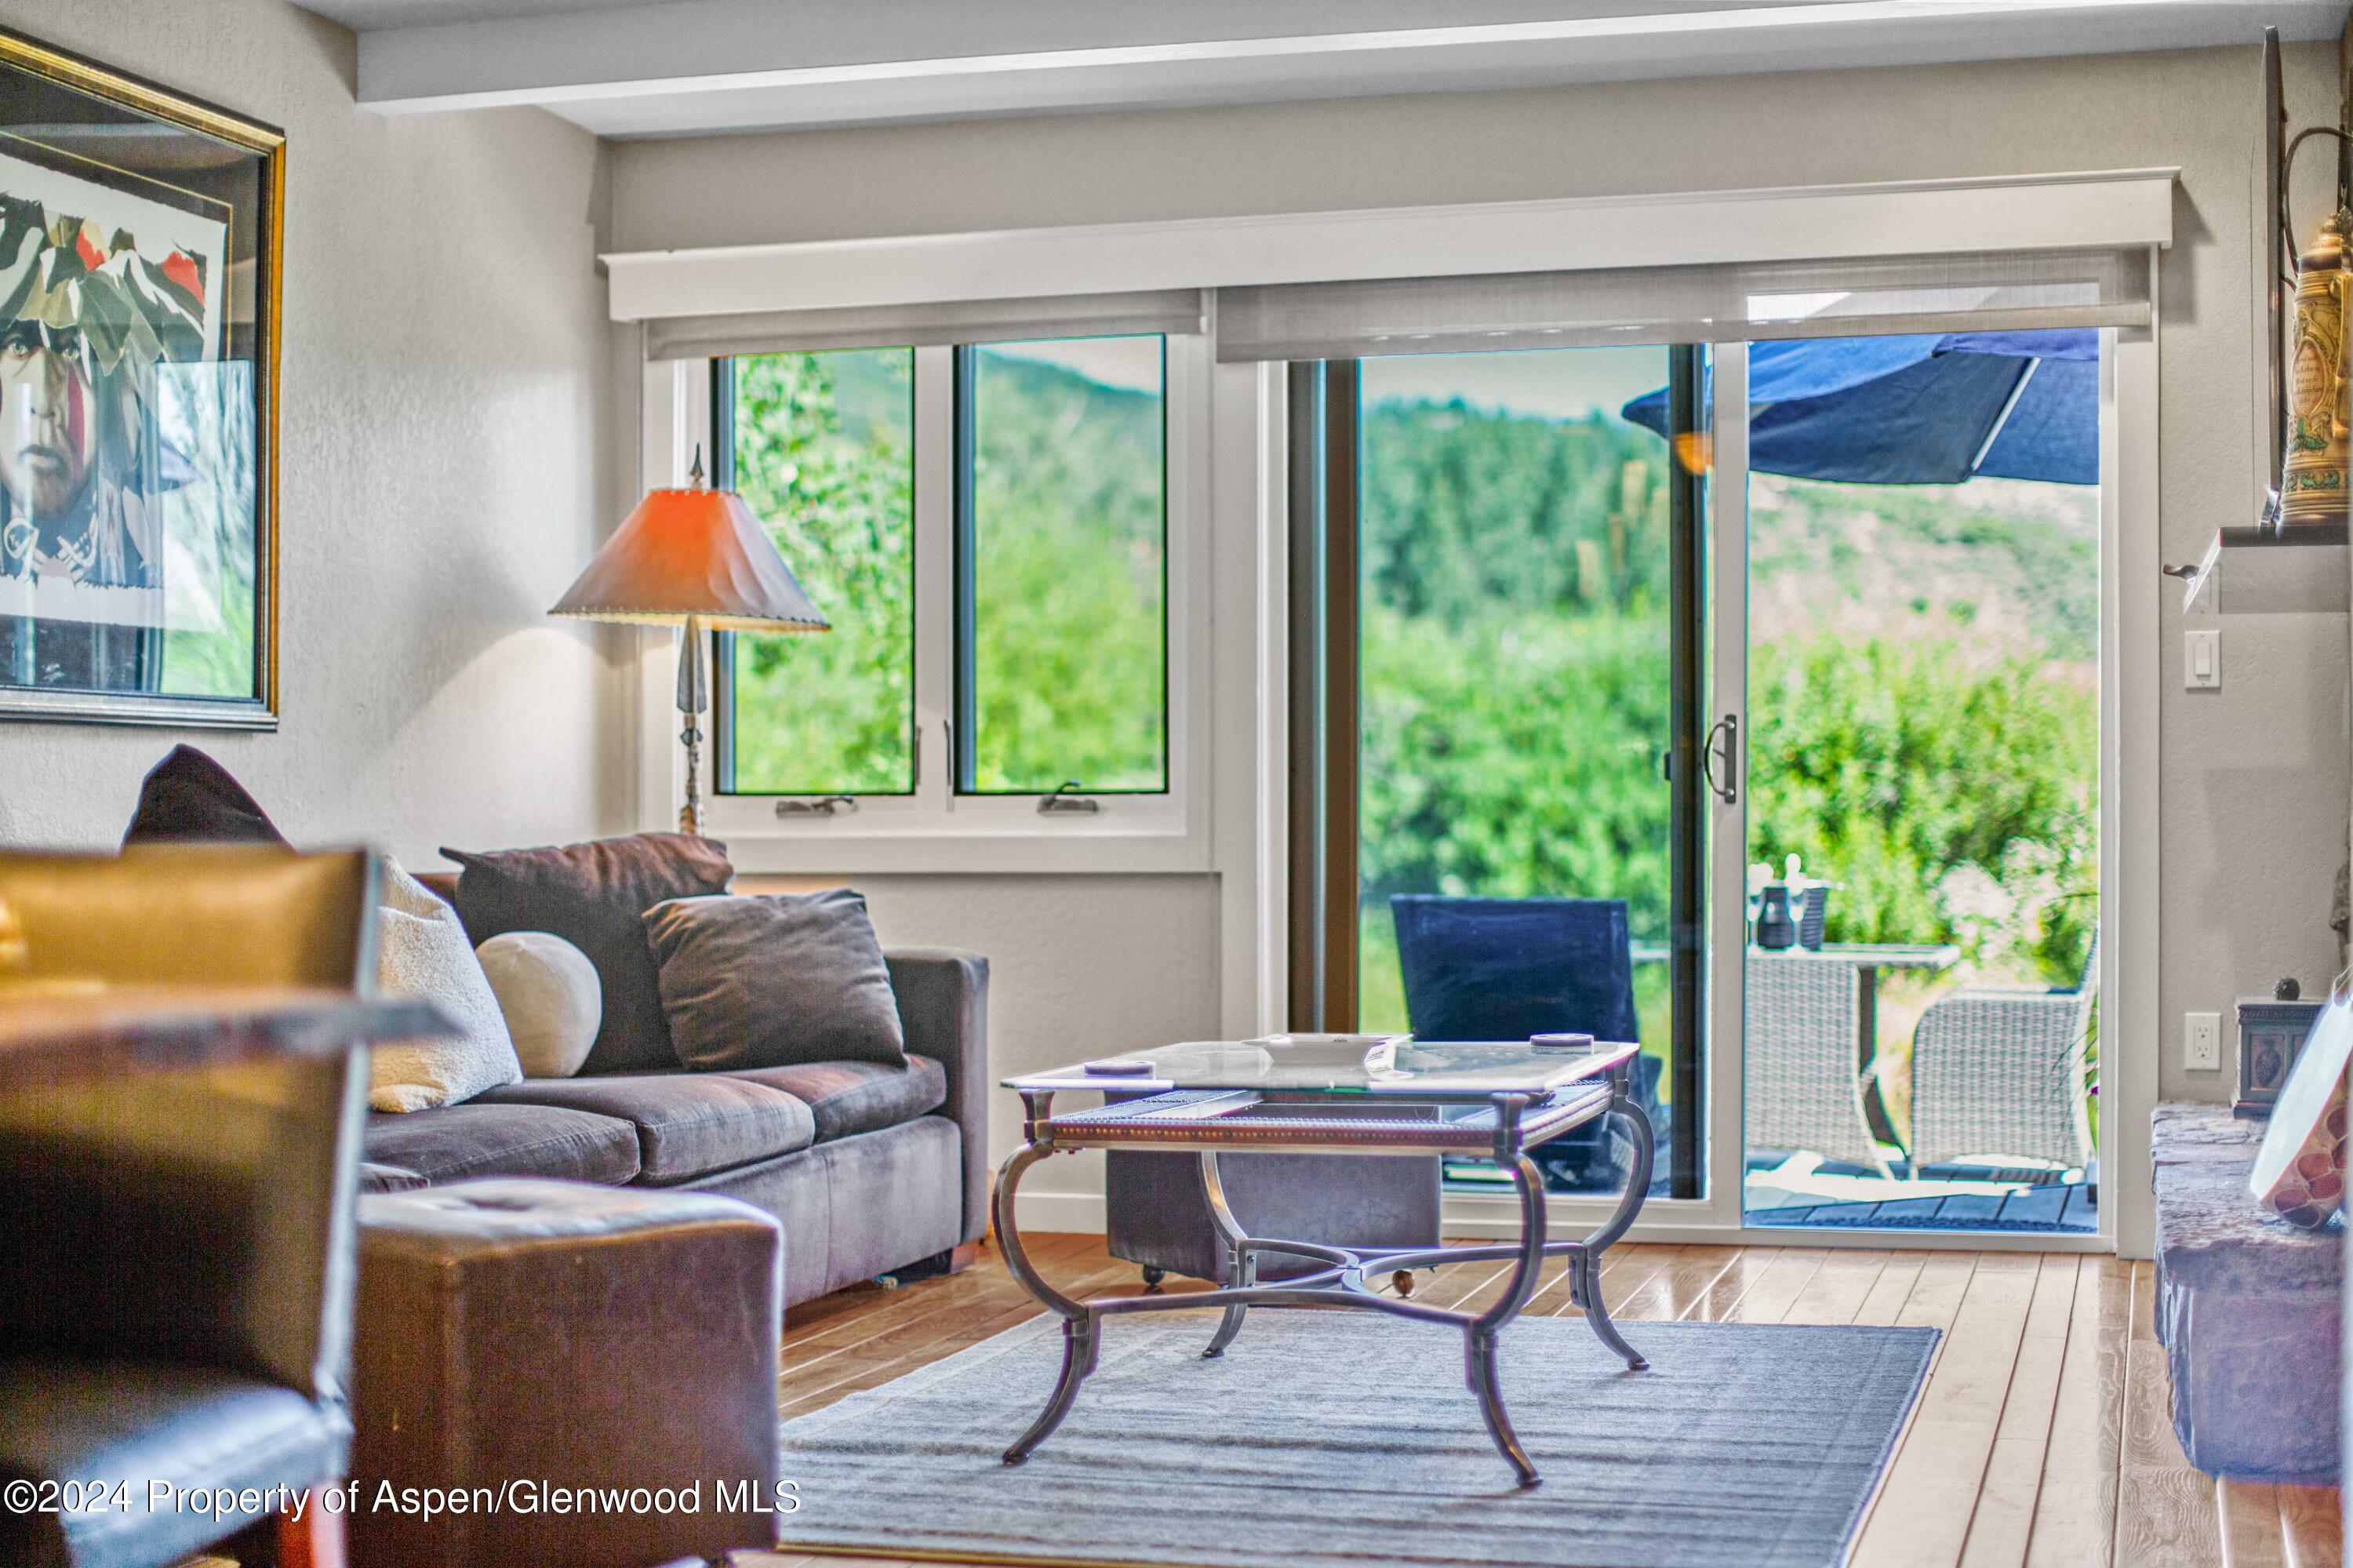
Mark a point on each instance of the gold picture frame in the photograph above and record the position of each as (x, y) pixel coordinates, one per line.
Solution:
(142, 251)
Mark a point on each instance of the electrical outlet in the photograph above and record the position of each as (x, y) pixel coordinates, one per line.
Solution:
(2202, 660)
(2202, 1041)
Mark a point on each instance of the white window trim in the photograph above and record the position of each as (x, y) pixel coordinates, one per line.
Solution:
(1796, 223)
(934, 829)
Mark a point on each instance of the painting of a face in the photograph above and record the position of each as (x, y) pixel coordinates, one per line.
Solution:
(47, 432)
(139, 268)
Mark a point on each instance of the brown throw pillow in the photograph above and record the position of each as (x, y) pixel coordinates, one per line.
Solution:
(188, 798)
(593, 896)
(774, 981)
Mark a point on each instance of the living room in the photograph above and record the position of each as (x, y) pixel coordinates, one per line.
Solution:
(699, 693)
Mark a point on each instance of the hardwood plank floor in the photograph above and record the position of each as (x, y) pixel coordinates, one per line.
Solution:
(2041, 1440)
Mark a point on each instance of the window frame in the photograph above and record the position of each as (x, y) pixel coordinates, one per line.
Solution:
(964, 753)
(936, 828)
(722, 643)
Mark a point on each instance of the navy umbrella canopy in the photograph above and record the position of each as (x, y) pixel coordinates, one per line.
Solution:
(1934, 409)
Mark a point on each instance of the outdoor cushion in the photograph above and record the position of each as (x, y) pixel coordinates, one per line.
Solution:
(592, 895)
(769, 981)
(688, 1124)
(480, 1138)
(857, 1096)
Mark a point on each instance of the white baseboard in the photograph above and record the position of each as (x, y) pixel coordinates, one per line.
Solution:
(1079, 1213)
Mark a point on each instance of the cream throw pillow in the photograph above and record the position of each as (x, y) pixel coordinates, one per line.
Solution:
(422, 951)
(551, 996)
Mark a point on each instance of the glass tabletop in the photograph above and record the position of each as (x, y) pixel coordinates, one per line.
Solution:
(1344, 1065)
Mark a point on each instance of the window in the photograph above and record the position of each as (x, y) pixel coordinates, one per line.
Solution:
(821, 446)
(996, 532)
(1062, 566)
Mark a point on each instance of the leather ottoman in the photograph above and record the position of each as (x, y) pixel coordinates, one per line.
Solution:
(558, 1374)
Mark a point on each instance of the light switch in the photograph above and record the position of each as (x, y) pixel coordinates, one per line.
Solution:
(2202, 660)
(2202, 1041)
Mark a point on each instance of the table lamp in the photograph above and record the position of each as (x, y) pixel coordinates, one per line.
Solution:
(695, 558)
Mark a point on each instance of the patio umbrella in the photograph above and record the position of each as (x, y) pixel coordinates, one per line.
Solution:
(1924, 409)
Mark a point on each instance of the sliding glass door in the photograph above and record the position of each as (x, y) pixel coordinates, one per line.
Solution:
(1509, 574)
(1919, 562)
(1744, 702)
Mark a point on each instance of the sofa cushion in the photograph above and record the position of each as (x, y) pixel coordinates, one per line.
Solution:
(688, 1124)
(857, 1096)
(592, 895)
(422, 951)
(188, 798)
(479, 1139)
(550, 997)
(770, 980)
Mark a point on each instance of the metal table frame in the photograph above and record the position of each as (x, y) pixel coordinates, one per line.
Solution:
(1519, 1122)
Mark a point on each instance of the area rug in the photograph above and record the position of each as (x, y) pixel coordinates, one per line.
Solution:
(1328, 1439)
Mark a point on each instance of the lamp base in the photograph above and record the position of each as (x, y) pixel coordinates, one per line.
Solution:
(691, 703)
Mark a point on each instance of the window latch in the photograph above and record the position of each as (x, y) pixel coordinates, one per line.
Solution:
(823, 806)
(1061, 800)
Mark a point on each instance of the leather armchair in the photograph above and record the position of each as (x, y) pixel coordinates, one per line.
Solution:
(176, 1249)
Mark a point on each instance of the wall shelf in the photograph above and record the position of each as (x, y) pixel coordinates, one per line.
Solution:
(2257, 571)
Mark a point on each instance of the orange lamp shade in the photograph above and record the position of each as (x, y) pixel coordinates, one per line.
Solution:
(692, 553)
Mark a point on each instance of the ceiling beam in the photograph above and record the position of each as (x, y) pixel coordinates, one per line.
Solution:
(742, 65)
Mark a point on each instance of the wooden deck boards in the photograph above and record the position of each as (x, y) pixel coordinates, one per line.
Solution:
(2042, 1209)
(2041, 1441)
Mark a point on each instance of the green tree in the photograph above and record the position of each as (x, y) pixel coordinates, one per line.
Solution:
(824, 457)
(1067, 628)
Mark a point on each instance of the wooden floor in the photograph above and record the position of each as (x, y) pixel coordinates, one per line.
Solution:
(2041, 1441)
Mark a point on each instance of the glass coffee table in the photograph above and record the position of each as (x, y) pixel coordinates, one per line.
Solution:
(1338, 1094)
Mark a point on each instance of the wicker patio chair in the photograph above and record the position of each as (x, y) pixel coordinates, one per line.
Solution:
(2000, 1074)
(1802, 1090)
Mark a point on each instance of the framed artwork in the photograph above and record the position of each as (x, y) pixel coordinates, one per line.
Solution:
(140, 243)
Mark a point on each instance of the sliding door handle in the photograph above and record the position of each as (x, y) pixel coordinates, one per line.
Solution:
(1727, 731)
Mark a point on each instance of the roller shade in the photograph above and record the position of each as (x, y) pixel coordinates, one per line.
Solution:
(1173, 310)
(1717, 303)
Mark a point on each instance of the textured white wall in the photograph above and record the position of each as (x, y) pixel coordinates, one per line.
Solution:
(2254, 777)
(1079, 967)
(444, 369)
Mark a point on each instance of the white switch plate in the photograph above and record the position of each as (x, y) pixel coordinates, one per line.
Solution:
(2202, 660)
(2202, 1041)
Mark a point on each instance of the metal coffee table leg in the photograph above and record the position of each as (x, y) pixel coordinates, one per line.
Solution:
(1082, 1325)
(1585, 1285)
(1242, 1263)
(1082, 1336)
(1479, 1334)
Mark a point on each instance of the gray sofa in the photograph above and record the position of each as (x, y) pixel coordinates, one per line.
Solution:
(872, 1170)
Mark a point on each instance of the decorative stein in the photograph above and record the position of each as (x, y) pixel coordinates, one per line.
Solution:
(2313, 488)
(2271, 1031)
(1775, 928)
